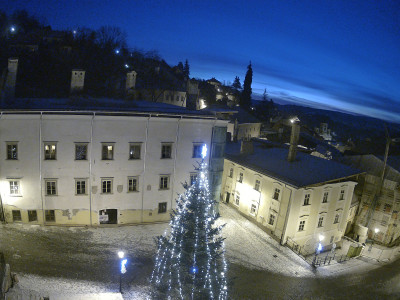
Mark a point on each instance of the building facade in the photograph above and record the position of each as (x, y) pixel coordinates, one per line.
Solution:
(93, 168)
(269, 190)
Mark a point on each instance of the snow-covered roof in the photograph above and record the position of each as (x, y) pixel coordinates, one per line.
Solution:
(306, 170)
(99, 105)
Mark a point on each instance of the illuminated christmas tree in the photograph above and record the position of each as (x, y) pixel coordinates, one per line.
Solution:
(190, 262)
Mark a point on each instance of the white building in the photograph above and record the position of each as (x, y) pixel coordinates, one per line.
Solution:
(88, 167)
(296, 201)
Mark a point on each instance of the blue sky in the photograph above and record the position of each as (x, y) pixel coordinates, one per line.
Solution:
(342, 55)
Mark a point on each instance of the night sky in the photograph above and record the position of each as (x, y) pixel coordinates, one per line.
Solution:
(342, 55)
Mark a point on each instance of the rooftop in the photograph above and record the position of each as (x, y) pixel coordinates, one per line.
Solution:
(306, 170)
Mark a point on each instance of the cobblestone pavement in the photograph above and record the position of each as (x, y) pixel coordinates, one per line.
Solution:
(82, 254)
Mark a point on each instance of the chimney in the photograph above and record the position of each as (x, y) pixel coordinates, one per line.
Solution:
(130, 81)
(11, 78)
(294, 139)
(77, 81)
(246, 147)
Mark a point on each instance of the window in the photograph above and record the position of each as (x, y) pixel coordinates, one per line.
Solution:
(106, 185)
(325, 197)
(134, 151)
(162, 207)
(387, 208)
(240, 177)
(341, 197)
(14, 187)
(253, 209)
(132, 184)
(320, 221)
(51, 187)
(271, 219)
(16, 214)
(80, 151)
(231, 173)
(166, 150)
(301, 225)
(80, 186)
(164, 182)
(307, 199)
(12, 151)
(193, 178)
(50, 215)
(50, 151)
(32, 215)
(107, 152)
(197, 151)
(237, 200)
(276, 194)
(257, 185)
(336, 219)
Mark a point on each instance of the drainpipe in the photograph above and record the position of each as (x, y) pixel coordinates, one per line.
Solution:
(176, 153)
(283, 240)
(90, 170)
(40, 167)
(144, 166)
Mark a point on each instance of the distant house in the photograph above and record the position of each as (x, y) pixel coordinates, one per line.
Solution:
(295, 201)
(383, 213)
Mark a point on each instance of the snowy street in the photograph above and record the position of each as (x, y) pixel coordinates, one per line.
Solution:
(58, 261)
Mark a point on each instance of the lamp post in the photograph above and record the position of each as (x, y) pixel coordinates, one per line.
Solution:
(122, 269)
(318, 249)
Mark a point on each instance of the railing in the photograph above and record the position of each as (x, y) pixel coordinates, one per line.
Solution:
(318, 260)
(296, 248)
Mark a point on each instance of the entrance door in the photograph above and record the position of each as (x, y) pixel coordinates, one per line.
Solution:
(227, 197)
(108, 216)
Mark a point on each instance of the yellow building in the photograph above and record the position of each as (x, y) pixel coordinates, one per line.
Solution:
(300, 201)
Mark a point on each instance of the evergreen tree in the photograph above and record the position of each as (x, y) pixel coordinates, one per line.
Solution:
(265, 95)
(190, 262)
(236, 84)
(186, 69)
(246, 93)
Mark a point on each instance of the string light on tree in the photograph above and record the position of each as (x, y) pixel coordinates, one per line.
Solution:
(190, 261)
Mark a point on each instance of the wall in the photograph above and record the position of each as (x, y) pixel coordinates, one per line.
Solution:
(248, 130)
(30, 131)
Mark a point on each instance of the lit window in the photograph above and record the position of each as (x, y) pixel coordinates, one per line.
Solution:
(12, 151)
(80, 186)
(307, 199)
(320, 221)
(16, 214)
(197, 151)
(106, 185)
(237, 200)
(80, 151)
(271, 219)
(193, 178)
(336, 219)
(240, 177)
(162, 207)
(51, 187)
(301, 225)
(164, 182)
(50, 151)
(341, 197)
(50, 215)
(32, 215)
(257, 185)
(231, 173)
(134, 151)
(253, 209)
(166, 150)
(14, 187)
(325, 198)
(276, 194)
(132, 184)
(107, 152)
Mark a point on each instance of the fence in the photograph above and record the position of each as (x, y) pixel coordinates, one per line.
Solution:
(318, 260)
(296, 248)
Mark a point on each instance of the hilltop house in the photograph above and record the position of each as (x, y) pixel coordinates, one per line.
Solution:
(297, 198)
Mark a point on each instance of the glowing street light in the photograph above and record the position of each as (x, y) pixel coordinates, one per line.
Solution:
(123, 262)
(13, 29)
(117, 51)
(376, 230)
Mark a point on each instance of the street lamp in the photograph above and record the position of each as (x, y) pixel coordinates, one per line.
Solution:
(123, 268)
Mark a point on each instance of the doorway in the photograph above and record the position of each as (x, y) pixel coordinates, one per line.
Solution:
(108, 216)
(227, 197)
